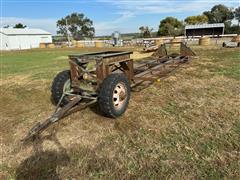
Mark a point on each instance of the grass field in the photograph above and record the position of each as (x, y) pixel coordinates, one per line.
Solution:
(185, 127)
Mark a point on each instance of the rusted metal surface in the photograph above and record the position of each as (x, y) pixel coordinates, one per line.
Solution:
(119, 95)
(106, 63)
(75, 72)
(127, 68)
(151, 74)
(186, 51)
(160, 52)
(60, 113)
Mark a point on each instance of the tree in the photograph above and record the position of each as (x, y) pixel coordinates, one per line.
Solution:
(145, 31)
(200, 19)
(79, 26)
(219, 14)
(237, 13)
(20, 26)
(170, 26)
(237, 17)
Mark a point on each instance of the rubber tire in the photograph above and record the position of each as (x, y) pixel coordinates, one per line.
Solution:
(106, 93)
(224, 44)
(238, 45)
(57, 87)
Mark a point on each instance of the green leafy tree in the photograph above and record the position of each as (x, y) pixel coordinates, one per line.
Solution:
(77, 25)
(170, 26)
(145, 31)
(200, 19)
(20, 26)
(237, 13)
(237, 17)
(219, 14)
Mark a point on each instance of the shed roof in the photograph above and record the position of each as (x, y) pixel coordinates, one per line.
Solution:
(25, 31)
(202, 26)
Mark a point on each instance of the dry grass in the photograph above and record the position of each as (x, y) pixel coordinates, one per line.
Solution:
(185, 127)
(139, 55)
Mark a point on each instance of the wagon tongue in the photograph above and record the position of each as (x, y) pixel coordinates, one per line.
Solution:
(38, 128)
(57, 115)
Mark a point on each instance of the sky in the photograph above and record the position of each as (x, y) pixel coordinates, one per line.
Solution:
(107, 15)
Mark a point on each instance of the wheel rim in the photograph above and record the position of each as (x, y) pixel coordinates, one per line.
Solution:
(67, 86)
(119, 96)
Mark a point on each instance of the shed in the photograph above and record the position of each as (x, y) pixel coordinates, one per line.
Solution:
(204, 29)
(18, 39)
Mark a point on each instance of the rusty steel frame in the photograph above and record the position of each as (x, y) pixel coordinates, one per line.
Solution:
(106, 63)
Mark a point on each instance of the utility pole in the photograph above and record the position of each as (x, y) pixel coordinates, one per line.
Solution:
(68, 34)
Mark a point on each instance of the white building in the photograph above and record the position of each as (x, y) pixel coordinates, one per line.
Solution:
(17, 39)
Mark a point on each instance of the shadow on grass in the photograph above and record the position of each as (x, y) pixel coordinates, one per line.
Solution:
(77, 162)
(43, 164)
(96, 109)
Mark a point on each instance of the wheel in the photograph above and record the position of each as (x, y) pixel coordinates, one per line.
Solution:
(61, 84)
(224, 44)
(114, 95)
(238, 45)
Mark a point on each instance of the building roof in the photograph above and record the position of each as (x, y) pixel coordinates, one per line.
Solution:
(202, 26)
(26, 31)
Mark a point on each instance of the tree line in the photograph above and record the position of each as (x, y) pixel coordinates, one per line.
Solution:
(171, 26)
(78, 26)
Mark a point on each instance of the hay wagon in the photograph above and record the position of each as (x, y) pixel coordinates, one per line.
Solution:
(106, 78)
